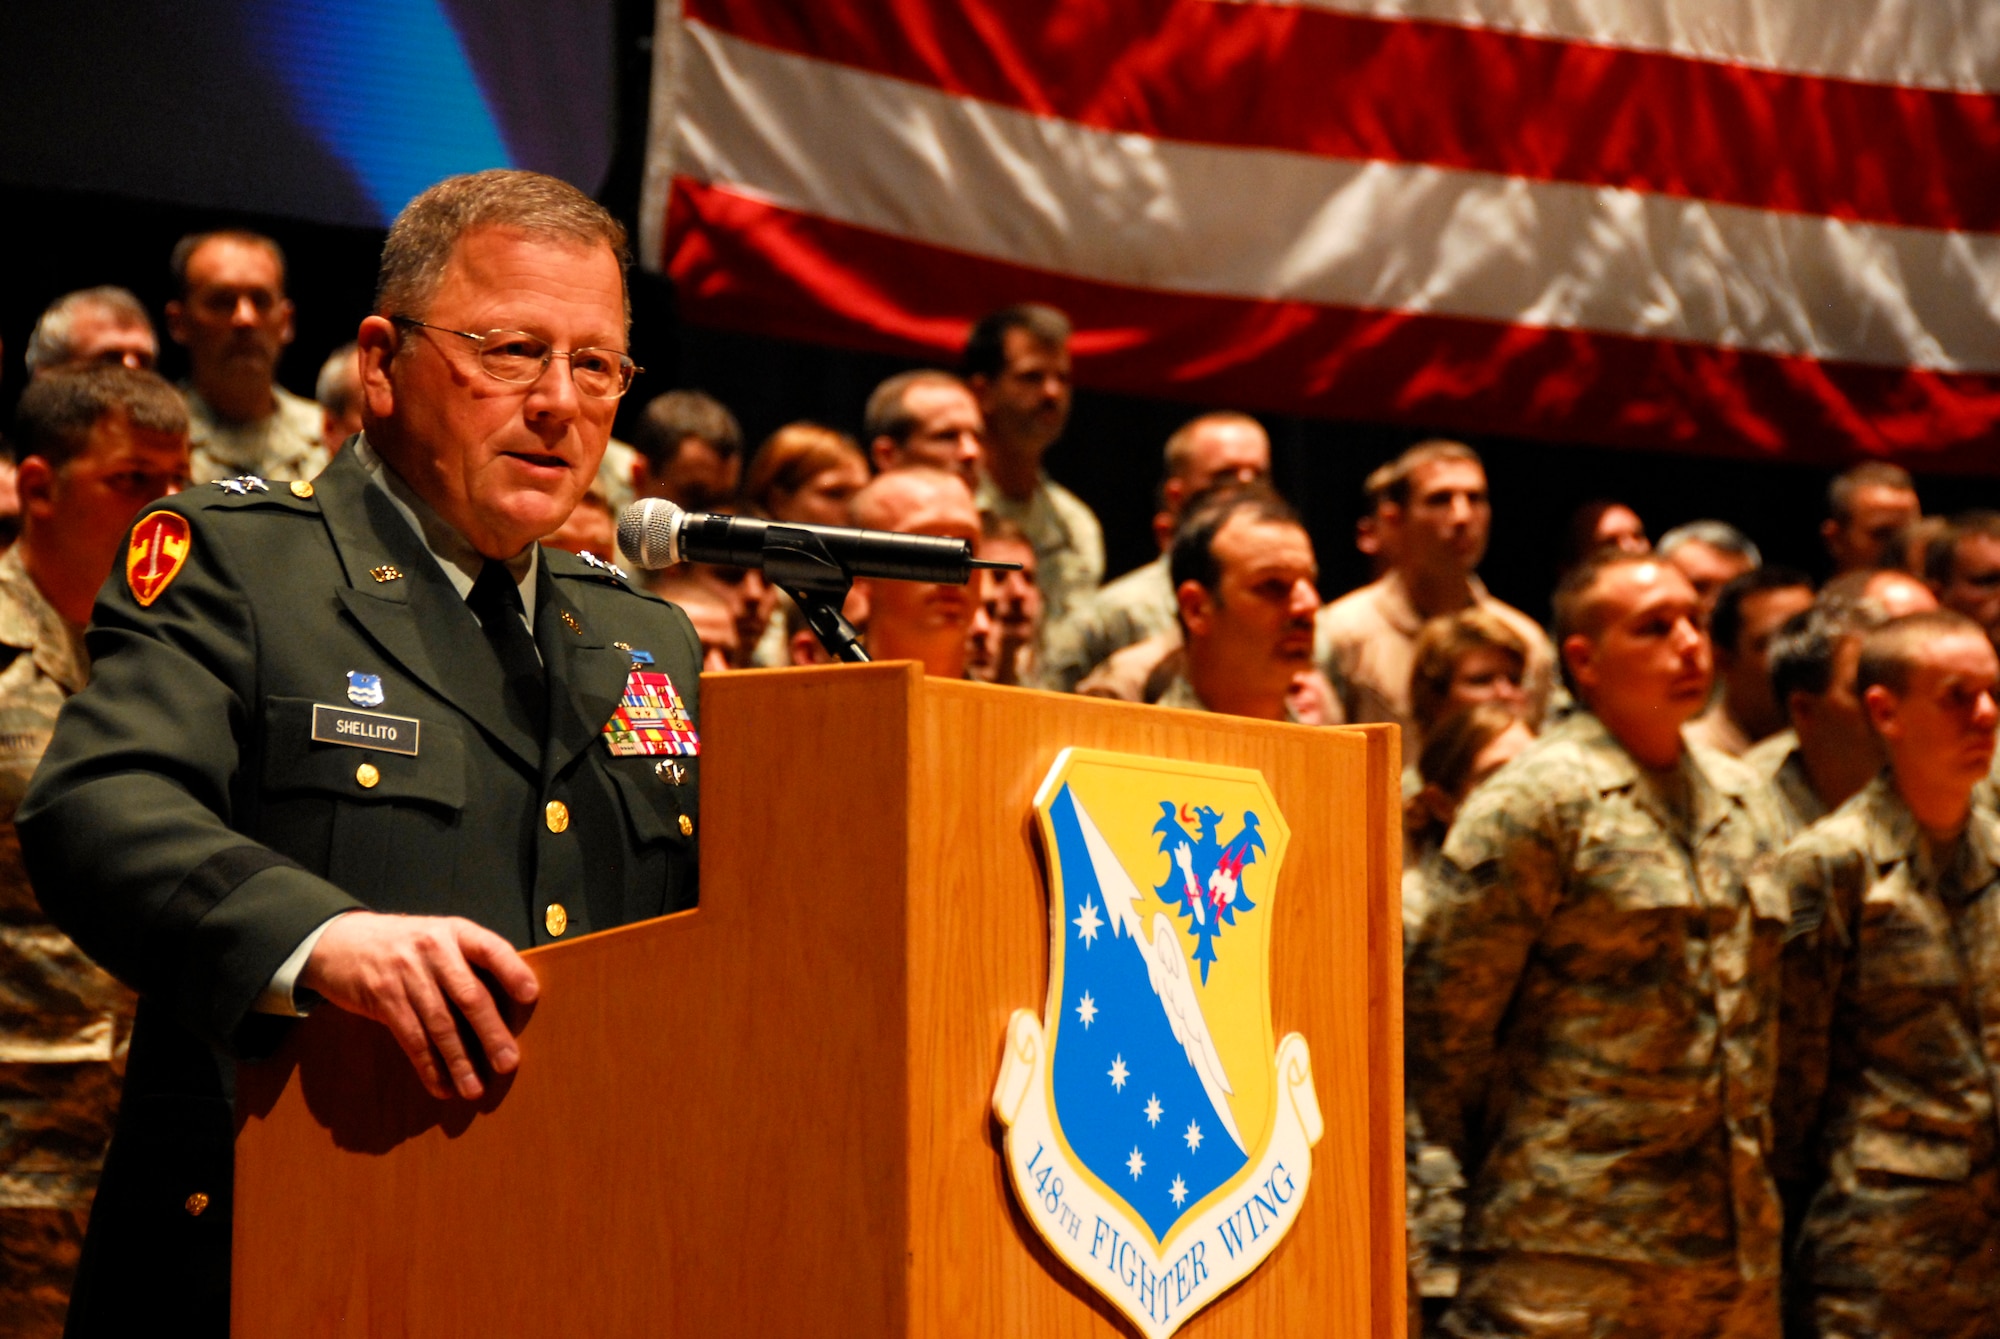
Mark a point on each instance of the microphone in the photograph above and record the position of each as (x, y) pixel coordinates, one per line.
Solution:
(655, 533)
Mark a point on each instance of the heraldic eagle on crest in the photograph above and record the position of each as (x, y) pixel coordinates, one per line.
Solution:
(1206, 884)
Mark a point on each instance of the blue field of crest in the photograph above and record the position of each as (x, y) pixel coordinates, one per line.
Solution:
(1127, 1098)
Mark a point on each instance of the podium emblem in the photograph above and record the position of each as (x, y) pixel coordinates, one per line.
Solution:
(1157, 1137)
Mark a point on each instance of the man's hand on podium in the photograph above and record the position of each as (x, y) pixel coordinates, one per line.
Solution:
(408, 972)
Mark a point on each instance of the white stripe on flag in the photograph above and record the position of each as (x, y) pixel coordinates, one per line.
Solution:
(883, 154)
(1944, 44)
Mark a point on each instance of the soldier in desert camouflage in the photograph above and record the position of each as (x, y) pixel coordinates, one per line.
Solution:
(97, 445)
(1885, 1106)
(1592, 999)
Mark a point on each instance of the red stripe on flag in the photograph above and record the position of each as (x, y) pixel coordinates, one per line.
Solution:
(744, 264)
(1342, 86)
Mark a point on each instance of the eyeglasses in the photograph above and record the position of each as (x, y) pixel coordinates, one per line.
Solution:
(520, 359)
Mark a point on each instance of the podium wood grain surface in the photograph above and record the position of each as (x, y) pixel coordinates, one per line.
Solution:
(769, 1115)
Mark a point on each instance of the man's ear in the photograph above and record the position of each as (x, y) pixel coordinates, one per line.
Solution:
(1884, 709)
(1579, 653)
(35, 481)
(285, 334)
(177, 321)
(882, 454)
(1197, 607)
(376, 344)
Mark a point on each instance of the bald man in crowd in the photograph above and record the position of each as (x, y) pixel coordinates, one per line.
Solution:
(1885, 1106)
(93, 325)
(1204, 451)
(926, 417)
(1591, 1001)
(231, 314)
(920, 620)
(1867, 509)
(1432, 521)
(1247, 586)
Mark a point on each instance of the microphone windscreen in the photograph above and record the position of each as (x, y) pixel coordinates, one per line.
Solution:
(647, 531)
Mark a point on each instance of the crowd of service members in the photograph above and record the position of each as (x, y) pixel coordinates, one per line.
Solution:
(1701, 928)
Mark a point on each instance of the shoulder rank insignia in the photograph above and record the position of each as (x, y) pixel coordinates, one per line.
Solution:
(602, 566)
(242, 484)
(651, 719)
(158, 548)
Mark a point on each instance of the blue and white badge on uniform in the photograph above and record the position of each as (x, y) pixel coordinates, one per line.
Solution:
(364, 690)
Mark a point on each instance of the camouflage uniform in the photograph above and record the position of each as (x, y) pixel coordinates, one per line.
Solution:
(284, 444)
(1890, 1047)
(1778, 761)
(1434, 1187)
(1067, 540)
(64, 1023)
(1591, 1019)
(1136, 606)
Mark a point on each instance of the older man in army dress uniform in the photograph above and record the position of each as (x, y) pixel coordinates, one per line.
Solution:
(1889, 1136)
(97, 444)
(358, 739)
(1592, 1000)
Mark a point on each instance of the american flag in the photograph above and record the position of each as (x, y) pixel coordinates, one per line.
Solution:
(1753, 227)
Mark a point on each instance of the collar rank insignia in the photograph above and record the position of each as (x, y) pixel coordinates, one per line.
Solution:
(651, 719)
(242, 485)
(364, 690)
(602, 566)
(1158, 1140)
(154, 555)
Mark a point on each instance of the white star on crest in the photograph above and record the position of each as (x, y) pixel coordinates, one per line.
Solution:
(1153, 1109)
(1086, 1009)
(1193, 1137)
(1118, 1072)
(1178, 1190)
(1135, 1164)
(1087, 923)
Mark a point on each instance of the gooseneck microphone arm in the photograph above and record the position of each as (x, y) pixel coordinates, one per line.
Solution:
(814, 564)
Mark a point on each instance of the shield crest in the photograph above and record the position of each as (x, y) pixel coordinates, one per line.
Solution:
(1158, 1138)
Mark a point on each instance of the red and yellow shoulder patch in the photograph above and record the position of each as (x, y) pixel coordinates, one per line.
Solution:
(158, 551)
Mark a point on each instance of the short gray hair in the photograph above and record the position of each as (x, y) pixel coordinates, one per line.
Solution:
(421, 240)
(339, 384)
(1716, 534)
(49, 345)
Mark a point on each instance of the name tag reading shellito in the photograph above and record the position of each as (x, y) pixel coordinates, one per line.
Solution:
(365, 729)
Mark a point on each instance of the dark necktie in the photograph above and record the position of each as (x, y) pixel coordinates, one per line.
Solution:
(496, 601)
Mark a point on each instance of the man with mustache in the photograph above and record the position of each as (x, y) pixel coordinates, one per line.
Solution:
(232, 316)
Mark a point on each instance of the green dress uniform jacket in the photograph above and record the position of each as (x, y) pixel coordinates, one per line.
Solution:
(1889, 1056)
(1592, 1007)
(189, 832)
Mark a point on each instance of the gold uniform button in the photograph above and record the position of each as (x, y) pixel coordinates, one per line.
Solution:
(195, 1204)
(556, 815)
(556, 919)
(367, 775)
(300, 488)
(687, 826)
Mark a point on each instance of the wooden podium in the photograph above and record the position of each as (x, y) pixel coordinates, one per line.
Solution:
(769, 1116)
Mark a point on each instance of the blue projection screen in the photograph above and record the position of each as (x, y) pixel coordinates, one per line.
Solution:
(332, 110)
